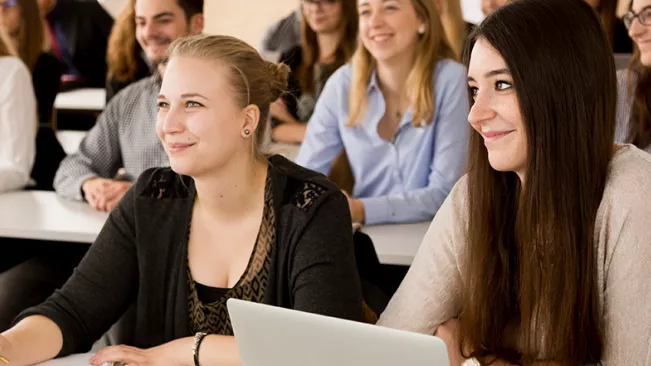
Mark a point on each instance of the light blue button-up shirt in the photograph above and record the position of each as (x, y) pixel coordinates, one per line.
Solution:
(408, 179)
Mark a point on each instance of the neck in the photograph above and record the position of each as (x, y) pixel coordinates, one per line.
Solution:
(328, 43)
(392, 75)
(234, 190)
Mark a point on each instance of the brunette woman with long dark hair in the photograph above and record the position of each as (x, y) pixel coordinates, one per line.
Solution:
(539, 256)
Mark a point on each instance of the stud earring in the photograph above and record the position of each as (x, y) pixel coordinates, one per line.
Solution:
(247, 132)
(421, 29)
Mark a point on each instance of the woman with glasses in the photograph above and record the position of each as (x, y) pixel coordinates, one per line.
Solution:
(328, 40)
(540, 254)
(634, 83)
(614, 27)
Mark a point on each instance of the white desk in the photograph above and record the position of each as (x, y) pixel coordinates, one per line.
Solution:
(93, 100)
(42, 215)
(290, 151)
(397, 244)
(70, 140)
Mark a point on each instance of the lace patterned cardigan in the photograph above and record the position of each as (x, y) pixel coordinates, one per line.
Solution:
(140, 257)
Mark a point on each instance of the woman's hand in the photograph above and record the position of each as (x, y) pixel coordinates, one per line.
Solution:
(172, 353)
(356, 207)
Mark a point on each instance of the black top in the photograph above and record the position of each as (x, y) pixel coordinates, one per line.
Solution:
(86, 27)
(210, 315)
(113, 85)
(140, 256)
(46, 78)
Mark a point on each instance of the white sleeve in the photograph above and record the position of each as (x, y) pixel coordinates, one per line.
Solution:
(17, 124)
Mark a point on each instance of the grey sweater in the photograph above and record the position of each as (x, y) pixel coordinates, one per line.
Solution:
(430, 294)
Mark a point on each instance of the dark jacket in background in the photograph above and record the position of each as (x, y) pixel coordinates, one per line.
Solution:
(140, 257)
(86, 27)
(46, 79)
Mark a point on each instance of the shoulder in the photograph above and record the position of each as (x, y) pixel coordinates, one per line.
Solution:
(626, 195)
(449, 71)
(163, 183)
(14, 72)
(304, 189)
(136, 91)
(342, 77)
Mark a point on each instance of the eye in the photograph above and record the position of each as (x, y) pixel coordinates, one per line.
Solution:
(364, 12)
(502, 85)
(473, 91)
(162, 105)
(192, 104)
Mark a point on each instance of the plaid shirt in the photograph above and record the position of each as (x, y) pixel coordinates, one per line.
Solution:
(124, 136)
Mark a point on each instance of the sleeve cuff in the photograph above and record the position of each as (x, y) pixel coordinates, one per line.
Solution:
(377, 210)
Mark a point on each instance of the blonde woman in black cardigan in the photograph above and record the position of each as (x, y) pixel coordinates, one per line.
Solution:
(225, 221)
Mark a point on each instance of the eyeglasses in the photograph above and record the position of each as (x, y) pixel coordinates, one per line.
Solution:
(8, 4)
(319, 2)
(644, 16)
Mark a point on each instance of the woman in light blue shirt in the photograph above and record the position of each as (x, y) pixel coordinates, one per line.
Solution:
(400, 111)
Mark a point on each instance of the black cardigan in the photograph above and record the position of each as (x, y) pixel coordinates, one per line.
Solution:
(140, 256)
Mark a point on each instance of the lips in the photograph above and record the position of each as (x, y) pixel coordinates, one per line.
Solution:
(178, 147)
(380, 38)
(492, 136)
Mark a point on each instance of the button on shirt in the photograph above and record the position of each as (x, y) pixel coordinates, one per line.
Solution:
(124, 136)
(407, 179)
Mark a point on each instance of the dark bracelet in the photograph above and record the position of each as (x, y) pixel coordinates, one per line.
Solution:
(198, 338)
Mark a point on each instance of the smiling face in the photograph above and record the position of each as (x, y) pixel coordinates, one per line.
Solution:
(495, 113)
(388, 28)
(158, 24)
(641, 34)
(323, 17)
(199, 123)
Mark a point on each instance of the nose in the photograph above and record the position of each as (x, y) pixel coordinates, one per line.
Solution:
(636, 29)
(481, 110)
(148, 30)
(375, 19)
(172, 121)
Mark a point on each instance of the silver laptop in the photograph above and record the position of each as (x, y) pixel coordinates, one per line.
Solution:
(273, 336)
(622, 60)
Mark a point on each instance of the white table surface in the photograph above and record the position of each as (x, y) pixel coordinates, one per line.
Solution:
(397, 244)
(40, 215)
(87, 99)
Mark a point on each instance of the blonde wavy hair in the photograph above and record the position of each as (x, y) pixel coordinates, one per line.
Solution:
(431, 47)
(453, 24)
(122, 53)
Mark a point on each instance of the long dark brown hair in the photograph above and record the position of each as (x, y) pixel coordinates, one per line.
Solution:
(639, 87)
(532, 270)
(310, 46)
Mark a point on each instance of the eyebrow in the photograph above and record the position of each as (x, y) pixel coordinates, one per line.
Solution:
(185, 96)
(158, 16)
(493, 73)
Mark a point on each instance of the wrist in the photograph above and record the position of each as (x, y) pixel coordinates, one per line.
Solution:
(359, 213)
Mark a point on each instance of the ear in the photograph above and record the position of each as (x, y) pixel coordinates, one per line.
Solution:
(197, 23)
(251, 120)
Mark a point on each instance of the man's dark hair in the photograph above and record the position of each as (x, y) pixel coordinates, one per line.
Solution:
(191, 7)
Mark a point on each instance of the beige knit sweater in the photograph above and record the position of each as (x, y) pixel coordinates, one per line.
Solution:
(430, 293)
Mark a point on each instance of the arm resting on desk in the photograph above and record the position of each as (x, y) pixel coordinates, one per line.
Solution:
(99, 154)
(34, 339)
